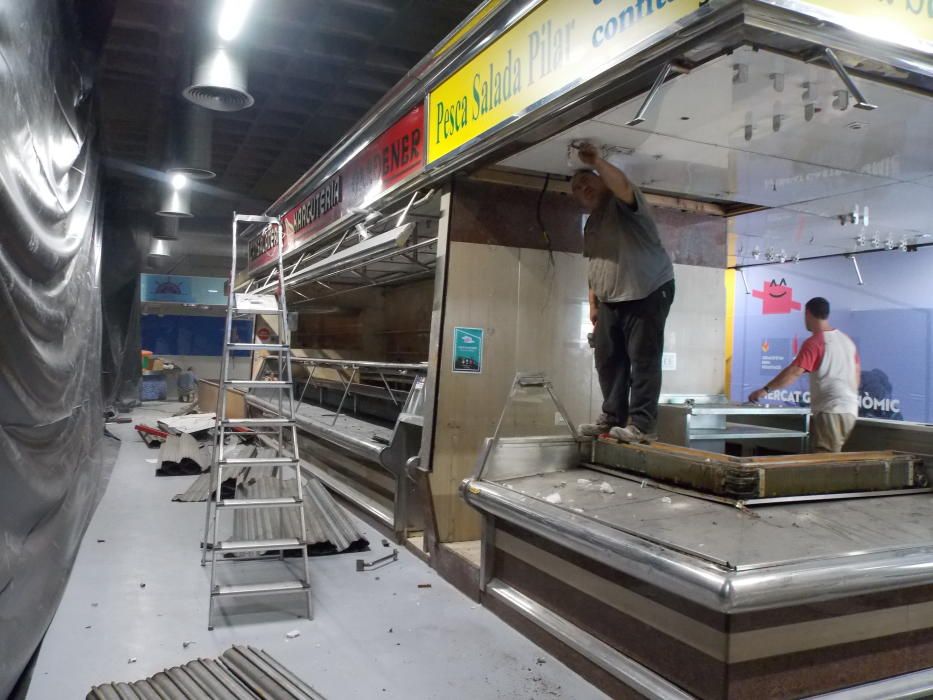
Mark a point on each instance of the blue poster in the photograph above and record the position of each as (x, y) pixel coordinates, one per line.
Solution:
(181, 289)
(468, 350)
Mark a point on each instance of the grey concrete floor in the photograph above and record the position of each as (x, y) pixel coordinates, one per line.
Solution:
(374, 634)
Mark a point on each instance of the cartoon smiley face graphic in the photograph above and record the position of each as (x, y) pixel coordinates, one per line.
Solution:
(777, 297)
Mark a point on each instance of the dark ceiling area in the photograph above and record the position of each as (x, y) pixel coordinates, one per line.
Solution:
(315, 67)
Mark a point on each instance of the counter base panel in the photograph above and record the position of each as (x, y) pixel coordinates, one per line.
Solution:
(794, 652)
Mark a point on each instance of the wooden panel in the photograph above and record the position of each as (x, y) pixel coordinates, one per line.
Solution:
(482, 288)
(407, 321)
(505, 215)
(207, 399)
(502, 214)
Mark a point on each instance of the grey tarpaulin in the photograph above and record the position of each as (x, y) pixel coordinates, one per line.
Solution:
(50, 401)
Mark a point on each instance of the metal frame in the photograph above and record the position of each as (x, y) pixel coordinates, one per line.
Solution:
(225, 427)
(714, 586)
(387, 457)
(789, 18)
(388, 246)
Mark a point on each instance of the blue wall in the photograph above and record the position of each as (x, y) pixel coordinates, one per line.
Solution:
(190, 335)
(890, 318)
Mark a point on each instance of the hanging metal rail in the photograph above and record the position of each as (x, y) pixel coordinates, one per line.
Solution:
(395, 249)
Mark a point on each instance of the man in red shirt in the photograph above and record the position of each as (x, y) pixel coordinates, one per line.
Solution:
(831, 359)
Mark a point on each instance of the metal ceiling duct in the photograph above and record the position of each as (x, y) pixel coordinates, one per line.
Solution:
(191, 155)
(166, 228)
(175, 202)
(218, 81)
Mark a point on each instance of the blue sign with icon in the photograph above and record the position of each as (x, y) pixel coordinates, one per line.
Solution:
(468, 350)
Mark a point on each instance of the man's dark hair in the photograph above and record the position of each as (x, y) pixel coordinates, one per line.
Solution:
(818, 308)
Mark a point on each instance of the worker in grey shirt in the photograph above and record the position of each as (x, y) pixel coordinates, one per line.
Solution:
(631, 281)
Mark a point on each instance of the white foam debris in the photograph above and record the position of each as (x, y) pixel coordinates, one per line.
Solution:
(606, 488)
(553, 498)
(578, 510)
(666, 499)
(629, 495)
(583, 483)
(293, 634)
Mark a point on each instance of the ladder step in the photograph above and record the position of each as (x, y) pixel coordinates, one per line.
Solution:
(231, 347)
(259, 545)
(259, 462)
(258, 383)
(260, 588)
(250, 422)
(284, 502)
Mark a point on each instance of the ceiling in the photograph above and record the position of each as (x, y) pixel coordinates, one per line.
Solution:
(315, 68)
(723, 134)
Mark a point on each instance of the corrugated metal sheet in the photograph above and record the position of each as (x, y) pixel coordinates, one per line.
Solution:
(241, 673)
(203, 485)
(328, 527)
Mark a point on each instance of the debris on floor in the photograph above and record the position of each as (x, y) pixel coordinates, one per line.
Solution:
(424, 585)
(364, 565)
(153, 437)
(181, 455)
(553, 498)
(294, 634)
(605, 487)
(240, 672)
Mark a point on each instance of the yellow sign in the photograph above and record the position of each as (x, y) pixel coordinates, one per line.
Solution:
(904, 22)
(554, 46)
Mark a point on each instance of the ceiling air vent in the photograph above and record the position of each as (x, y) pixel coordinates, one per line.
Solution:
(219, 81)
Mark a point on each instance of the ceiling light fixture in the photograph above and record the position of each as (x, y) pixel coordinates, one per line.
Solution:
(175, 202)
(159, 248)
(232, 18)
(179, 181)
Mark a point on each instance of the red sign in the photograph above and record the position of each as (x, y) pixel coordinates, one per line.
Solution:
(263, 334)
(391, 158)
(777, 298)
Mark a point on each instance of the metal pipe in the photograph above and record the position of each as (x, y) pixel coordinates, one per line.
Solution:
(860, 101)
(365, 364)
(745, 281)
(649, 98)
(858, 272)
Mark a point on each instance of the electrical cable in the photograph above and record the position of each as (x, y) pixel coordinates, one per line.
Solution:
(547, 237)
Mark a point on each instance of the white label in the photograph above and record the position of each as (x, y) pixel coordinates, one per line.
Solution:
(669, 362)
(559, 419)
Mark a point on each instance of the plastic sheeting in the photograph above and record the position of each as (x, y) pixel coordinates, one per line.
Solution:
(51, 470)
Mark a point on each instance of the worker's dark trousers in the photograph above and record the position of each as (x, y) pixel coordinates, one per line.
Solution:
(629, 339)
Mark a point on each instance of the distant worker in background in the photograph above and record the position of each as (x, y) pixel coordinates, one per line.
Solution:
(631, 283)
(832, 360)
(187, 384)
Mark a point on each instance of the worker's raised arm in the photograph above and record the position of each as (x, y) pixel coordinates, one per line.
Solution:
(617, 181)
(788, 376)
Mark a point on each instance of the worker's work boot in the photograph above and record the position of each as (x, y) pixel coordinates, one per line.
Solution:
(632, 434)
(602, 426)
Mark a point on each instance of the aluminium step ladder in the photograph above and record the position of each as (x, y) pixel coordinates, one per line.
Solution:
(272, 430)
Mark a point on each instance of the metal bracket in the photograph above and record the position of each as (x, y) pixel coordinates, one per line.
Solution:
(858, 272)
(860, 101)
(652, 93)
(363, 565)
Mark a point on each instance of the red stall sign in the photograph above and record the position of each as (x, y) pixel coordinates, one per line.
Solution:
(398, 153)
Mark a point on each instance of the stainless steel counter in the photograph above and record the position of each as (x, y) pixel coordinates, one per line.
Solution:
(706, 425)
(720, 556)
